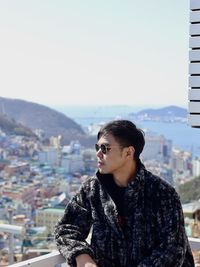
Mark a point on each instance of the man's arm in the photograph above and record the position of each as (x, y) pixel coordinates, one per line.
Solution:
(173, 244)
(73, 228)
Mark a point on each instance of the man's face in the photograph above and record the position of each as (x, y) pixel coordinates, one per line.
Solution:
(114, 160)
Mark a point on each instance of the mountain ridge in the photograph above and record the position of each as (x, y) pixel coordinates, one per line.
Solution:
(11, 127)
(165, 111)
(53, 122)
(168, 113)
(37, 116)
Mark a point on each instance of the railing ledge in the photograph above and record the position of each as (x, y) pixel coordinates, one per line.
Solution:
(51, 259)
(55, 259)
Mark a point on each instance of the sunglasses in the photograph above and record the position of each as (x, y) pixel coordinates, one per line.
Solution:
(104, 148)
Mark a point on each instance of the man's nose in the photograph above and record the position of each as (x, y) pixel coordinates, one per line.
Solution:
(99, 153)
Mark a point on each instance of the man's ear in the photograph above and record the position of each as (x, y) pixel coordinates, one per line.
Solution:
(131, 151)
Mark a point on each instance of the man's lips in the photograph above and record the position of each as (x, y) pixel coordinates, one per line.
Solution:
(100, 163)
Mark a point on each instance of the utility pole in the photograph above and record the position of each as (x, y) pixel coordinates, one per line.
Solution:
(11, 230)
(11, 237)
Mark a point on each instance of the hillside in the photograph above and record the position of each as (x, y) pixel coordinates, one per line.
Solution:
(190, 191)
(10, 126)
(36, 116)
(168, 113)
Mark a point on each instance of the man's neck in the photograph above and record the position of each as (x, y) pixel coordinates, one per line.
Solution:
(125, 176)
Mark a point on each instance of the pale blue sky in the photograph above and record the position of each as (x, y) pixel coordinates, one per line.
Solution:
(95, 52)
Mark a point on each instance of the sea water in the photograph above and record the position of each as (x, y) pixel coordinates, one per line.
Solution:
(182, 135)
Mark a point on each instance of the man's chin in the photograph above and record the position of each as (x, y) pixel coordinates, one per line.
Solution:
(102, 171)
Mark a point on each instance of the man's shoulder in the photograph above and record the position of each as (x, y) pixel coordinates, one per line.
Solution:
(158, 184)
(159, 191)
(90, 178)
(90, 182)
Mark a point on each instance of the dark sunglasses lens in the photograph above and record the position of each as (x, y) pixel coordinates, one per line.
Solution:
(102, 147)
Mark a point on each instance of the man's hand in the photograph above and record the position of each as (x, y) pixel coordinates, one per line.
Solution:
(84, 260)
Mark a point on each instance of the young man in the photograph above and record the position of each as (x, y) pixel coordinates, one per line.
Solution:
(135, 217)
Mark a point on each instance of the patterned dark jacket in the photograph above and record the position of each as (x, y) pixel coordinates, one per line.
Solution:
(154, 233)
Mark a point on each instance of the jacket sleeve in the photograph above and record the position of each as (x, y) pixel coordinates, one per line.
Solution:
(73, 228)
(172, 248)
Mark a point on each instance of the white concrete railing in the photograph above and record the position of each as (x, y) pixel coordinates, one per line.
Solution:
(194, 65)
(54, 259)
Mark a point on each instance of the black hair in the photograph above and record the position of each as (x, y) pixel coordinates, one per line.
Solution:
(126, 134)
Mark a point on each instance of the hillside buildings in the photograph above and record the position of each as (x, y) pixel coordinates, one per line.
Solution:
(37, 180)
